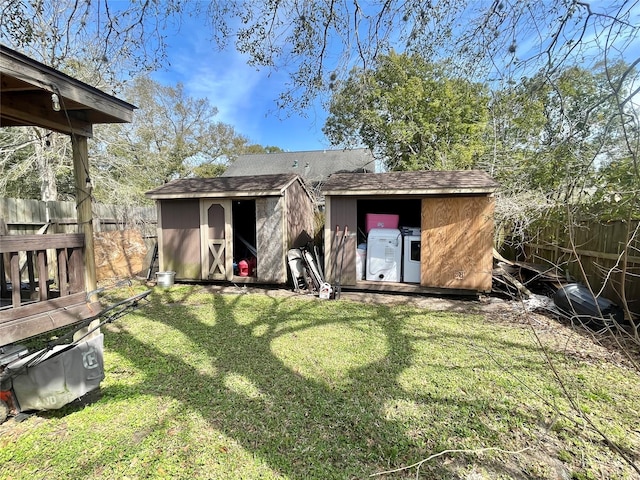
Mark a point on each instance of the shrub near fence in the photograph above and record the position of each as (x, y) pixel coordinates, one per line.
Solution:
(597, 248)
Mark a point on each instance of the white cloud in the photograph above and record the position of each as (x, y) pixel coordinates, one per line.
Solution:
(244, 96)
(222, 77)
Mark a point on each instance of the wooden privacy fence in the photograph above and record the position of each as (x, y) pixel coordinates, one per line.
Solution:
(123, 234)
(597, 248)
(25, 216)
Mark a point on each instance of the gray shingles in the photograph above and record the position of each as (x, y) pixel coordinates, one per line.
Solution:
(459, 181)
(255, 185)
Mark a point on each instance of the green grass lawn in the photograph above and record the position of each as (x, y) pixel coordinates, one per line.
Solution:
(202, 385)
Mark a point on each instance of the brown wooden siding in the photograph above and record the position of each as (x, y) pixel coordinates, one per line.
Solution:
(457, 242)
(592, 253)
(299, 217)
(270, 240)
(280, 222)
(26, 216)
(344, 212)
(181, 237)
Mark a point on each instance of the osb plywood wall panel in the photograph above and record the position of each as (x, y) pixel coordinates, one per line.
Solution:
(270, 240)
(181, 237)
(457, 242)
(119, 254)
(299, 216)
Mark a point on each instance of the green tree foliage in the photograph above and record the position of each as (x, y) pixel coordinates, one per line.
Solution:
(559, 148)
(172, 135)
(555, 135)
(255, 149)
(618, 194)
(410, 114)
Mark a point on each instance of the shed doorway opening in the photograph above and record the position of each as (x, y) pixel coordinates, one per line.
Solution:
(245, 257)
(408, 210)
(389, 246)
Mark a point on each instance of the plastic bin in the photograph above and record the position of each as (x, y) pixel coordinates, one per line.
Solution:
(381, 220)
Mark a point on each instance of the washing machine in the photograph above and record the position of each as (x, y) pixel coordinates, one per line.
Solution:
(384, 255)
(411, 256)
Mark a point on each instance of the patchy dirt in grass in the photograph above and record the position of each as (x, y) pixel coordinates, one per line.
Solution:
(540, 452)
(554, 332)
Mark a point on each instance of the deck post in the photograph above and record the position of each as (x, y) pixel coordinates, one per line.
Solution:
(83, 206)
(84, 212)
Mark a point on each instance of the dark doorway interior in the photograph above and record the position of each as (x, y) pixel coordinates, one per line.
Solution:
(243, 216)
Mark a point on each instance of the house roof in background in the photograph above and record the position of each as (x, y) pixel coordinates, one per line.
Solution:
(313, 166)
(222, 187)
(411, 183)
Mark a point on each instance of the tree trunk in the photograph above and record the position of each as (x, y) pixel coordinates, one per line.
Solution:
(46, 166)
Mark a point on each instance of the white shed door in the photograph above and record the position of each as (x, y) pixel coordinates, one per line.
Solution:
(216, 239)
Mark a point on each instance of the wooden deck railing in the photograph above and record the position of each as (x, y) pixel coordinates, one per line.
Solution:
(38, 295)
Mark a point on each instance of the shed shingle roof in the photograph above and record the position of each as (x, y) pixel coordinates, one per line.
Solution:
(410, 183)
(257, 185)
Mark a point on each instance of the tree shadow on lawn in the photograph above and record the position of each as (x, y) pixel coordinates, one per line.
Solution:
(304, 427)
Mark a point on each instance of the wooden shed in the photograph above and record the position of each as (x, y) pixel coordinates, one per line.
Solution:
(450, 212)
(207, 226)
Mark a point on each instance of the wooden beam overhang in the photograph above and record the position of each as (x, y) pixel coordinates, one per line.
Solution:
(20, 111)
(26, 87)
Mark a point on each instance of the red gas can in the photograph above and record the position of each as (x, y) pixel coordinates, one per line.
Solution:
(243, 268)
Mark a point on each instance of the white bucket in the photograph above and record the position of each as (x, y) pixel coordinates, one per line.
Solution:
(165, 279)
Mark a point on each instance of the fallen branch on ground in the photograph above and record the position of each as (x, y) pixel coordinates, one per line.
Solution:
(417, 465)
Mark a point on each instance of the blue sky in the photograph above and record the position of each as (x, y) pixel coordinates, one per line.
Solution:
(244, 96)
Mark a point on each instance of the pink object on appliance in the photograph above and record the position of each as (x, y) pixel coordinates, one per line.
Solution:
(381, 220)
